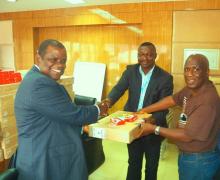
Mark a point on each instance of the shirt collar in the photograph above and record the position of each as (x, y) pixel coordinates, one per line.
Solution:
(207, 85)
(37, 67)
(149, 72)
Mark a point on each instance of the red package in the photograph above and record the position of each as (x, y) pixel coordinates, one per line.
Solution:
(130, 118)
(8, 77)
(117, 121)
(121, 120)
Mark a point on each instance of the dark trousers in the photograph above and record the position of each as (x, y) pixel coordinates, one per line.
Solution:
(148, 146)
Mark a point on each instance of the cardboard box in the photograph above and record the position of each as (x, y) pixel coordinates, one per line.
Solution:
(67, 82)
(6, 105)
(8, 88)
(1, 155)
(9, 142)
(8, 152)
(69, 89)
(7, 121)
(104, 129)
(8, 131)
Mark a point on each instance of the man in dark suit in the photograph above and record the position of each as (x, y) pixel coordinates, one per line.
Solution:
(49, 123)
(146, 84)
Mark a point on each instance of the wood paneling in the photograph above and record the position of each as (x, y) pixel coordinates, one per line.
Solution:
(197, 26)
(131, 7)
(197, 5)
(178, 54)
(157, 28)
(196, 30)
(23, 44)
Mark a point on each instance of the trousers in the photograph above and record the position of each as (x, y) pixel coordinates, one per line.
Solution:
(198, 166)
(148, 147)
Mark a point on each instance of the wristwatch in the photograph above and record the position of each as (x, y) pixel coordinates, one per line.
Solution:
(157, 130)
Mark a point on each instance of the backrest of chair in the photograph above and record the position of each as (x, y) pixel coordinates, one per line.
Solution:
(10, 174)
(94, 153)
(84, 100)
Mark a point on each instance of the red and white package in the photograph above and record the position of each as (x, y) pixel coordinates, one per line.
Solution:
(121, 120)
(117, 121)
(130, 118)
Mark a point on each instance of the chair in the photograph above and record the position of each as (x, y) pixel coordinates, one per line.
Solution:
(93, 148)
(9, 174)
(84, 100)
(172, 121)
(94, 153)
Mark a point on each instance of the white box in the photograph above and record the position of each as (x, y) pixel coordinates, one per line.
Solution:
(104, 129)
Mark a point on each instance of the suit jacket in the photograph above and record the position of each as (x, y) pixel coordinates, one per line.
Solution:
(160, 86)
(49, 126)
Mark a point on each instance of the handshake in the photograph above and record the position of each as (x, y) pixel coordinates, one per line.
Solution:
(104, 105)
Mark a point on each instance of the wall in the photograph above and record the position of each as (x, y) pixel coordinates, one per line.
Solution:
(6, 45)
(100, 33)
(196, 30)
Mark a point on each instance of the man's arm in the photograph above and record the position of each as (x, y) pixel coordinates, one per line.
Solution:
(118, 90)
(163, 104)
(51, 102)
(164, 89)
(172, 134)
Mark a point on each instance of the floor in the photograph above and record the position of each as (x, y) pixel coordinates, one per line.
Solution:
(115, 165)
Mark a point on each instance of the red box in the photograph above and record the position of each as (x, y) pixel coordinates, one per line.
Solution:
(8, 77)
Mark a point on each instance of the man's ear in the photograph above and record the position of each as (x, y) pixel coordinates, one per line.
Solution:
(38, 58)
(207, 72)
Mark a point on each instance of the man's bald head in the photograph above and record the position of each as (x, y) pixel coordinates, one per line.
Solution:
(201, 59)
(196, 71)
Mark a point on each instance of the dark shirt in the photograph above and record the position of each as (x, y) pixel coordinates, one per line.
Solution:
(203, 118)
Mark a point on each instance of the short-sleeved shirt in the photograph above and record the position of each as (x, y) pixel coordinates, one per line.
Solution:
(203, 118)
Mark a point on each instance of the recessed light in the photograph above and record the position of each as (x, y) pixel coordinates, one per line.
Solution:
(75, 1)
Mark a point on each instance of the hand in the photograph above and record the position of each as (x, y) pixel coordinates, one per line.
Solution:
(145, 129)
(103, 107)
(140, 112)
(145, 117)
(150, 120)
(148, 128)
(86, 129)
(107, 102)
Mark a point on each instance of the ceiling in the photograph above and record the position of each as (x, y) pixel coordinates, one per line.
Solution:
(30, 5)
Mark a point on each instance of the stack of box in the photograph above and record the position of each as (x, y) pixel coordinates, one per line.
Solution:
(67, 82)
(8, 129)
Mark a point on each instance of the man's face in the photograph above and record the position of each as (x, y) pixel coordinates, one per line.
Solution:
(195, 74)
(53, 63)
(146, 57)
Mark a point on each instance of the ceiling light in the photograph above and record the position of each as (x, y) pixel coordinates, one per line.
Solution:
(11, 0)
(75, 1)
